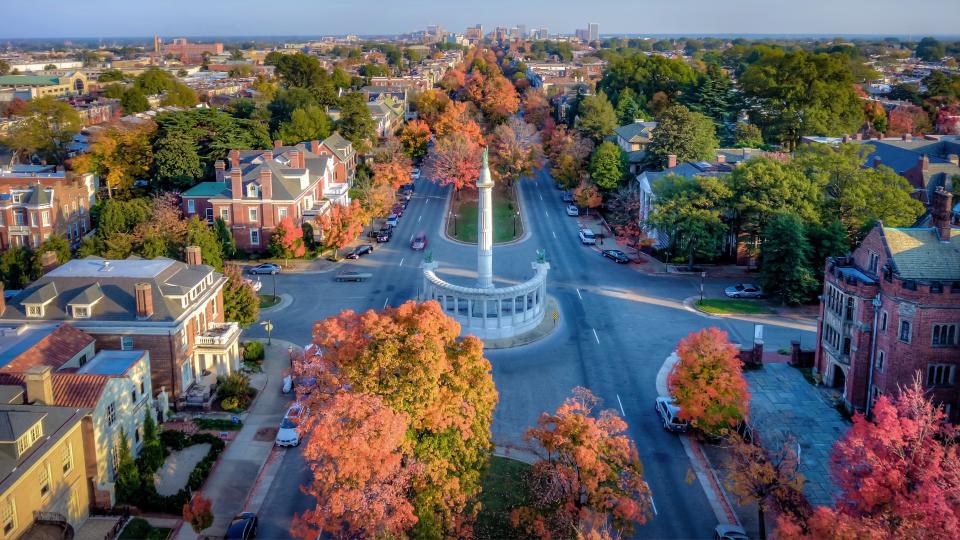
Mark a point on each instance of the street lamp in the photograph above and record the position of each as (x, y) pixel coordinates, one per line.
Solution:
(268, 326)
(702, 275)
(515, 216)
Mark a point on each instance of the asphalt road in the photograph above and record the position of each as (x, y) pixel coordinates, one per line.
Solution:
(617, 327)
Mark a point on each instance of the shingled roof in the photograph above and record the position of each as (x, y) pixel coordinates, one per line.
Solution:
(918, 253)
(53, 348)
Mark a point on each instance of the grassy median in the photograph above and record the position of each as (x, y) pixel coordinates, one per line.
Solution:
(505, 226)
(723, 306)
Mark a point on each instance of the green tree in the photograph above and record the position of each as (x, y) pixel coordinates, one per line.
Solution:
(713, 95)
(628, 110)
(151, 452)
(48, 127)
(133, 101)
(18, 267)
(607, 165)
(128, 481)
(689, 211)
(240, 302)
(825, 241)
(930, 50)
(111, 75)
(4, 67)
(785, 255)
(228, 246)
(57, 244)
(284, 102)
(200, 234)
(340, 78)
(690, 136)
(355, 124)
(647, 75)
(305, 125)
(747, 136)
(596, 118)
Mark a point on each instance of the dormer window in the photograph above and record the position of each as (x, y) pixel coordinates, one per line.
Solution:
(17, 198)
(27, 439)
(81, 312)
(35, 310)
(253, 190)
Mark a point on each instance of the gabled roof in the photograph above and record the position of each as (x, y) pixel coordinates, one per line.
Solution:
(47, 346)
(637, 129)
(38, 196)
(285, 180)
(918, 253)
(89, 296)
(340, 146)
(41, 295)
(13, 424)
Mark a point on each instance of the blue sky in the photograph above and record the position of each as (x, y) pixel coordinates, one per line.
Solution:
(102, 18)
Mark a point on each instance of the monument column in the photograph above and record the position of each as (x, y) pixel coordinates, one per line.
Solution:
(485, 227)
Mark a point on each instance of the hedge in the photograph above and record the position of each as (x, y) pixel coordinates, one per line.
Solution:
(149, 500)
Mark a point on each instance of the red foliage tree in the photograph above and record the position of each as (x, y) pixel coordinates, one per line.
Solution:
(568, 153)
(515, 150)
(899, 476)
(707, 382)
(453, 80)
(908, 119)
(414, 137)
(948, 120)
(588, 195)
(391, 165)
(286, 242)
(198, 512)
(591, 476)
(494, 95)
(455, 160)
(355, 448)
(341, 225)
(536, 107)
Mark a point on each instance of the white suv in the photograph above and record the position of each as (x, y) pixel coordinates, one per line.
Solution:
(587, 237)
(289, 432)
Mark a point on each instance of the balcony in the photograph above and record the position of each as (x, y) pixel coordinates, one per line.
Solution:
(218, 335)
(318, 209)
(335, 191)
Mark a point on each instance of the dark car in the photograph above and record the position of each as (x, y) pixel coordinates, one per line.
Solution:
(360, 251)
(243, 527)
(419, 242)
(616, 255)
(398, 210)
(265, 268)
(352, 276)
(567, 197)
(384, 235)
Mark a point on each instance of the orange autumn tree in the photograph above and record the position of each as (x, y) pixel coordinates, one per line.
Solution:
(361, 474)
(591, 475)
(391, 166)
(707, 382)
(456, 118)
(412, 358)
(455, 160)
(515, 150)
(198, 512)
(587, 195)
(286, 242)
(430, 104)
(415, 138)
(536, 107)
(898, 474)
(341, 225)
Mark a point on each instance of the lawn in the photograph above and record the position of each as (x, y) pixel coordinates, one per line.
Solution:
(139, 529)
(732, 305)
(502, 492)
(268, 300)
(464, 226)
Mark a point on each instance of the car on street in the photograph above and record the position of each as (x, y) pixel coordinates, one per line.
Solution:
(265, 268)
(587, 237)
(255, 283)
(384, 235)
(567, 197)
(398, 210)
(289, 432)
(419, 242)
(353, 276)
(572, 210)
(393, 220)
(670, 415)
(616, 255)
(360, 251)
(415, 173)
(242, 527)
(727, 531)
(743, 290)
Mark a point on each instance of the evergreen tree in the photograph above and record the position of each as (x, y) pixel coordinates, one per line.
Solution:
(199, 234)
(786, 273)
(355, 124)
(128, 481)
(628, 110)
(826, 241)
(595, 117)
(607, 165)
(714, 97)
(747, 136)
(689, 135)
(305, 125)
(57, 244)
(18, 267)
(228, 246)
(151, 453)
(240, 302)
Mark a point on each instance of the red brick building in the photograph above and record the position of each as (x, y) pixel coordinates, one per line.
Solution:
(35, 203)
(256, 189)
(891, 311)
(188, 52)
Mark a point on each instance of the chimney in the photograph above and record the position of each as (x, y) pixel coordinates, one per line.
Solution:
(236, 183)
(266, 183)
(296, 161)
(194, 255)
(877, 161)
(144, 299)
(221, 169)
(267, 155)
(671, 161)
(48, 261)
(39, 385)
(234, 156)
(924, 162)
(846, 139)
(907, 137)
(315, 147)
(940, 210)
(721, 158)
(858, 136)
(277, 144)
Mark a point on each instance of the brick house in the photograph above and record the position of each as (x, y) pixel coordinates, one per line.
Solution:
(35, 205)
(891, 310)
(345, 157)
(170, 309)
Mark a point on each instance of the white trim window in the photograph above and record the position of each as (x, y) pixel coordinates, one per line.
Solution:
(281, 213)
(45, 218)
(112, 413)
(66, 457)
(34, 310)
(191, 206)
(81, 312)
(253, 214)
(254, 237)
(126, 343)
(44, 480)
(225, 214)
(8, 515)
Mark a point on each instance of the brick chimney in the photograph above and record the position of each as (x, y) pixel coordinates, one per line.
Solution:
(941, 210)
(194, 255)
(221, 170)
(267, 155)
(266, 183)
(296, 159)
(234, 156)
(48, 261)
(907, 137)
(39, 385)
(144, 299)
(671, 161)
(846, 139)
(721, 158)
(236, 183)
(277, 144)
(858, 136)
(315, 147)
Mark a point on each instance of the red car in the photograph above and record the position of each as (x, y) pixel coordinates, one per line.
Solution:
(398, 210)
(419, 242)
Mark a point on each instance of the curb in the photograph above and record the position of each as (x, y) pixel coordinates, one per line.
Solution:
(285, 301)
(690, 304)
(523, 220)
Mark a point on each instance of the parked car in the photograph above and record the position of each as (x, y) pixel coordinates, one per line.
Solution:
(419, 241)
(353, 276)
(616, 255)
(415, 173)
(255, 283)
(360, 251)
(727, 531)
(265, 268)
(743, 290)
(243, 527)
(393, 220)
(670, 415)
(398, 210)
(384, 235)
(587, 237)
(567, 197)
(289, 432)
(572, 210)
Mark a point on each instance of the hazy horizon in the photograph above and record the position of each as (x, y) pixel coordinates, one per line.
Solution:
(126, 19)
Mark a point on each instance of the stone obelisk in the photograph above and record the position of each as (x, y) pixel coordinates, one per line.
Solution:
(485, 227)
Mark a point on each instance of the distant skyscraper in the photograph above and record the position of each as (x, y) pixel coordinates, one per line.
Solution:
(522, 28)
(544, 32)
(475, 32)
(594, 30)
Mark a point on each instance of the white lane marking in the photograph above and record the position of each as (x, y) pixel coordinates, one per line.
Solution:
(595, 336)
(385, 300)
(654, 505)
(554, 235)
(541, 196)
(578, 294)
(547, 213)
(426, 202)
(624, 413)
(401, 261)
(418, 218)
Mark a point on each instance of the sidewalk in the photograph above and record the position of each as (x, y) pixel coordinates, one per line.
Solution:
(239, 466)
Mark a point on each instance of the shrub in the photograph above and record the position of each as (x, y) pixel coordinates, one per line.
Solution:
(217, 424)
(229, 404)
(253, 350)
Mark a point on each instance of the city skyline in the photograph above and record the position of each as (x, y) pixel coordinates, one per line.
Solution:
(114, 18)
